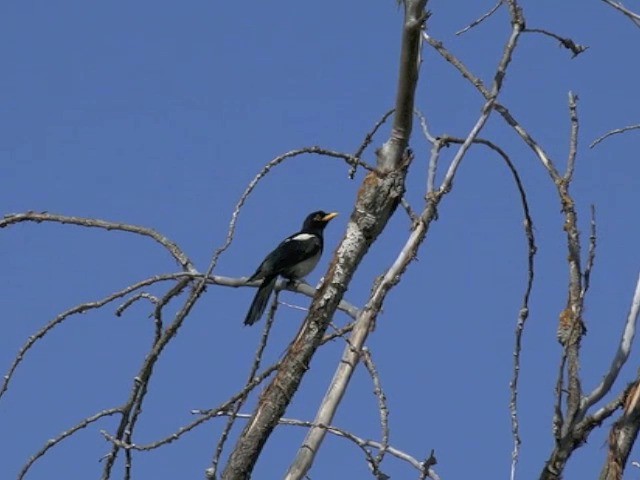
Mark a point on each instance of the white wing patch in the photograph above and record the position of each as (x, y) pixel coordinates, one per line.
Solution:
(301, 237)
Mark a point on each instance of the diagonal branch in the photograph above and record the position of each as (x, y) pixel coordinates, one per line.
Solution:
(621, 356)
(377, 199)
(367, 318)
(66, 434)
(623, 435)
(501, 109)
(634, 17)
(481, 19)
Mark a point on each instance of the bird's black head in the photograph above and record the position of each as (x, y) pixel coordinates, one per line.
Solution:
(318, 220)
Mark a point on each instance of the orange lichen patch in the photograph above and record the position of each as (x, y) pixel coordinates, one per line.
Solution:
(565, 323)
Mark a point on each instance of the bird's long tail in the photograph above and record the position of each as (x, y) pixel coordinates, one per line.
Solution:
(260, 301)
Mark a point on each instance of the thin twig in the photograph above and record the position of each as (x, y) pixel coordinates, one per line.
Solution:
(591, 256)
(338, 333)
(478, 21)
(576, 48)
(133, 409)
(558, 416)
(464, 147)
(382, 404)
(573, 138)
(362, 443)
(131, 300)
(83, 307)
(171, 247)
(413, 216)
(367, 141)
(205, 415)
(613, 132)
(211, 472)
(67, 433)
(433, 167)
(424, 126)
(133, 406)
(436, 146)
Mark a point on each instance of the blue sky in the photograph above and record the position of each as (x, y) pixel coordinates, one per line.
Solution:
(160, 113)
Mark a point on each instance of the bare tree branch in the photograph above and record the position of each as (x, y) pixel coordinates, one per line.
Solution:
(623, 435)
(83, 307)
(634, 17)
(621, 356)
(591, 256)
(131, 300)
(425, 128)
(613, 132)
(66, 434)
(171, 247)
(524, 310)
(363, 325)
(205, 416)
(133, 406)
(382, 406)
(481, 19)
(381, 192)
(501, 109)
(232, 413)
(392, 276)
(363, 444)
(367, 141)
(571, 326)
(596, 418)
(573, 139)
(377, 200)
(576, 48)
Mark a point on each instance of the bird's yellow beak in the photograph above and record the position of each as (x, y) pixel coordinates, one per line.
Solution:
(329, 216)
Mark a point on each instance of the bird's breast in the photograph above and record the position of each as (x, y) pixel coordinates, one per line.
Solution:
(303, 268)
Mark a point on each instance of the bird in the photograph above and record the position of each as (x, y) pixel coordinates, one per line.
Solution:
(293, 259)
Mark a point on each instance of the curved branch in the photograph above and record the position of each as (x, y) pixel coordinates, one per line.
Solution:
(67, 433)
(576, 48)
(621, 356)
(523, 315)
(83, 307)
(171, 247)
(613, 132)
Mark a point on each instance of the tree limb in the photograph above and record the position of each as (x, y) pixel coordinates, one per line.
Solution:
(377, 200)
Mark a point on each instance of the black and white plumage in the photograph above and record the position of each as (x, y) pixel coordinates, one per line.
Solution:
(294, 259)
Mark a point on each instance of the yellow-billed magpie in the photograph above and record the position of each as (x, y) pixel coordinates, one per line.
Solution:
(293, 259)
